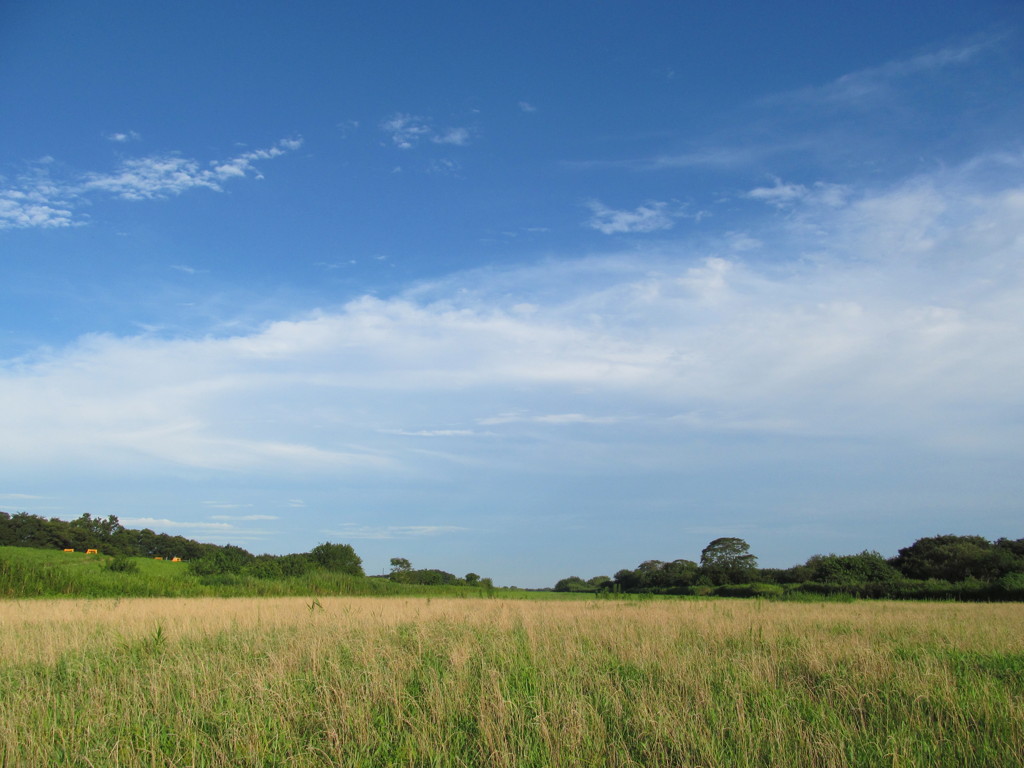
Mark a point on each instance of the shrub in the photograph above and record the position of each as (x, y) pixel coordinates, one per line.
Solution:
(337, 558)
(123, 564)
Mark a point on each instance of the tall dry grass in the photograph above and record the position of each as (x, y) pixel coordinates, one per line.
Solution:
(429, 682)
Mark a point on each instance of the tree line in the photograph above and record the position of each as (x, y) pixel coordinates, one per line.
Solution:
(965, 567)
(209, 561)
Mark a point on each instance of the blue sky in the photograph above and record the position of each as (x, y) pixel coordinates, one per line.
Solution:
(530, 290)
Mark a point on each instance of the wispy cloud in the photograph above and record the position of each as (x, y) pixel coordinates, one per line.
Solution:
(406, 131)
(444, 167)
(526, 106)
(38, 201)
(244, 517)
(161, 176)
(187, 269)
(649, 217)
(433, 432)
(123, 137)
(458, 137)
(553, 418)
(714, 156)
(781, 195)
(163, 522)
(860, 112)
(868, 84)
(354, 531)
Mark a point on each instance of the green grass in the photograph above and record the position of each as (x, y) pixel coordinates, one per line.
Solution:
(433, 682)
(29, 572)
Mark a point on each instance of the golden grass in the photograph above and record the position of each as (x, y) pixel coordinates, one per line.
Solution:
(436, 682)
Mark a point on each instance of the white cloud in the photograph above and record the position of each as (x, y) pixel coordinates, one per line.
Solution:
(354, 531)
(717, 157)
(433, 432)
(28, 208)
(147, 178)
(897, 313)
(554, 418)
(783, 195)
(649, 217)
(868, 84)
(406, 131)
(779, 195)
(123, 137)
(244, 517)
(456, 136)
(444, 167)
(154, 522)
(526, 106)
(37, 201)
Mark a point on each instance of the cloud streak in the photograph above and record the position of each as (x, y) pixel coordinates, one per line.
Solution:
(354, 531)
(37, 201)
(867, 85)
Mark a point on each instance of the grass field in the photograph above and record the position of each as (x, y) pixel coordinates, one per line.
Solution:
(444, 682)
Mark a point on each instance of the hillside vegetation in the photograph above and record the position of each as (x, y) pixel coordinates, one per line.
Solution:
(141, 563)
(27, 573)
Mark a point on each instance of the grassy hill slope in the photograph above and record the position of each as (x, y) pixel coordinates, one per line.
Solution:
(29, 572)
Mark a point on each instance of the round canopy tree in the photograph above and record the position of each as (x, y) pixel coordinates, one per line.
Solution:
(340, 558)
(728, 561)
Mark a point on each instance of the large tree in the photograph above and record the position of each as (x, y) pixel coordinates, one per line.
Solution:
(400, 569)
(956, 558)
(728, 561)
(340, 558)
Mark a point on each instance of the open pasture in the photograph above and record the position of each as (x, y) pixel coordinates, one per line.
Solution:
(437, 682)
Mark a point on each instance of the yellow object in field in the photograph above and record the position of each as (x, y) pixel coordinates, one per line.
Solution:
(92, 551)
(69, 550)
(175, 559)
(158, 558)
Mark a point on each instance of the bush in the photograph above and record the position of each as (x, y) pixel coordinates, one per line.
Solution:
(295, 565)
(749, 590)
(123, 564)
(337, 558)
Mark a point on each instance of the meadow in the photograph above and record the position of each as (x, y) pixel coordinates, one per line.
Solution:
(418, 681)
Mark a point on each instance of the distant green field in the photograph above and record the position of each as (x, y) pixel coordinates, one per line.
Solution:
(29, 572)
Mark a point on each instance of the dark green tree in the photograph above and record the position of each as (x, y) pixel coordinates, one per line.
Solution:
(680, 573)
(295, 565)
(338, 558)
(400, 569)
(626, 580)
(728, 561)
(954, 558)
(429, 576)
(867, 567)
(573, 584)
